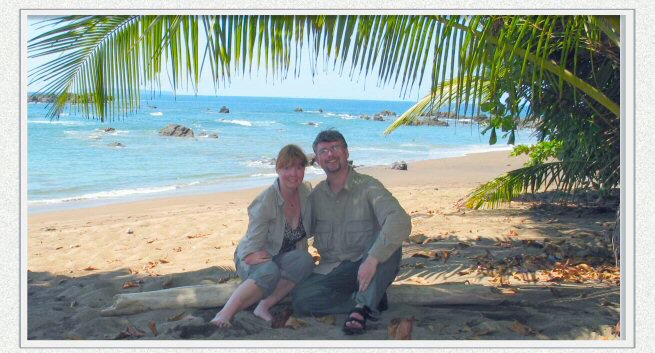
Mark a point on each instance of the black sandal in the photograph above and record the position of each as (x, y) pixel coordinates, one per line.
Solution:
(366, 314)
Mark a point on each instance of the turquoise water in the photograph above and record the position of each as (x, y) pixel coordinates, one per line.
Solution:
(71, 161)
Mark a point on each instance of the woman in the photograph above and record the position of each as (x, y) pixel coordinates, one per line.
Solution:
(272, 257)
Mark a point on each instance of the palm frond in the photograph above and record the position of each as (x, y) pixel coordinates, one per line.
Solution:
(560, 176)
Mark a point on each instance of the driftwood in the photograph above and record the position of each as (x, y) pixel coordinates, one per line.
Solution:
(213, 296)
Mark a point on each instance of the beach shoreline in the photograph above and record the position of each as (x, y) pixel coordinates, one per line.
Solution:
(189, 196)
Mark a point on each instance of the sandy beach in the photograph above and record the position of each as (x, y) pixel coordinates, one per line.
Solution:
(79, 259)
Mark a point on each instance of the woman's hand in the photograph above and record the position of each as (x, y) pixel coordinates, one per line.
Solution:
(257, 257)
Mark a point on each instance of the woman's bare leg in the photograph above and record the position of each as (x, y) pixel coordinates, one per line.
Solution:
(247, 294)
(284, 286)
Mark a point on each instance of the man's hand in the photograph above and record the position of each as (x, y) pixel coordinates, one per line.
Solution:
(257, 257)
(366, 272)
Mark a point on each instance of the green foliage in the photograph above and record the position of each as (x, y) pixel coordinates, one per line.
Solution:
(539, 152)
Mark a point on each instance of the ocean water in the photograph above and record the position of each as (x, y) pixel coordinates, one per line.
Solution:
(72, 162)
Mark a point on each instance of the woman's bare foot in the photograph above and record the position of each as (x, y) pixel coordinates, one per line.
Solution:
(220, 320)
(262, 312)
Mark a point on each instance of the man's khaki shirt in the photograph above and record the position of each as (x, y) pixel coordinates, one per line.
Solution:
(362, 219)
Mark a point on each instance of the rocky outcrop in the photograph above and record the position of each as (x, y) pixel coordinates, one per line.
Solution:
(399, 165)
(224, 110)
(176, 131)
(433, 121)
(311, 123)
(116, 144)
(386, 113)
(311, 158)
(298, 109)
(212, 135)
(109, 129)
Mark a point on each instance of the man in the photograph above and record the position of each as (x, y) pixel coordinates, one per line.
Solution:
(358, 229)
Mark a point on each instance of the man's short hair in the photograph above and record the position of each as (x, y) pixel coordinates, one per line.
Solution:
(329, 136)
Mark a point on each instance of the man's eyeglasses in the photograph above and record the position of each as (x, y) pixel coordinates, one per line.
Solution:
(333, 149)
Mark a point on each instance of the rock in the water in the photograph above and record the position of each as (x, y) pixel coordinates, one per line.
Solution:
(176, 130)
(386, 113)
(109, 129)
(311, 123)
(212, 135)
(365, 117)
(320, 110)
(298, 109)
(224, 110)
(399, 165)
(116, 144)
(378, 117)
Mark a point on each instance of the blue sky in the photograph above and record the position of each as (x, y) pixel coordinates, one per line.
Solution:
(325, 84)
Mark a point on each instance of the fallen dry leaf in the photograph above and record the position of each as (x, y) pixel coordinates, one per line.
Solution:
(446, 255)
(90, 268)
(401, 329)
(152, 325)
(176, 317)
(426, 254)
(131, 284)
(151, 241)
(163, 261)
(328, 319)
(513, 233)
(522, 329)
(177, 249)
(295, 323)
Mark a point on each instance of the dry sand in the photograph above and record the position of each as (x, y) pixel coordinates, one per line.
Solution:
(79, 259)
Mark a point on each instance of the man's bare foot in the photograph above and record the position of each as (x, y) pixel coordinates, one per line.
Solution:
(220, 321)
(262, 312)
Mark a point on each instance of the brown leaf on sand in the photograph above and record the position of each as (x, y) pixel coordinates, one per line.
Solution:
(199, 235)
(152, 325)
(295, 323)
(130, 331)
(131, 284)
(151, 241)
(177, 249)
(426, 254)
(513, 233)
(90, 268)
(446, 255)
(401, 328)
(163, 261)
(327, 319)
(521, 329)
(177, 317)
(132, 271)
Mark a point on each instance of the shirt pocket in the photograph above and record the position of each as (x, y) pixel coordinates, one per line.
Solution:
(358, 235)
(322, 234)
